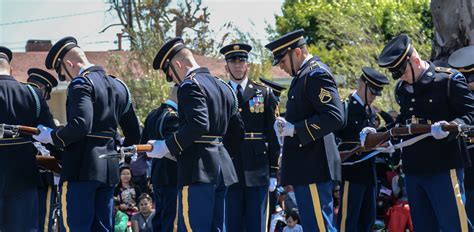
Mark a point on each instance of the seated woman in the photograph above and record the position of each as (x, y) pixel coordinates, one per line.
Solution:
(127, 192)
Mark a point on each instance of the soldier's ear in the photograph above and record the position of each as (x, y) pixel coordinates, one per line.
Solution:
(11, 70)
(298, 52)
(178, 64)
(69, 63)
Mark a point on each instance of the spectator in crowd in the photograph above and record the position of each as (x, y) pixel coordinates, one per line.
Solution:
(127, 192)
(120, 218)
(292, 222)
(142, 221)
(336, 196)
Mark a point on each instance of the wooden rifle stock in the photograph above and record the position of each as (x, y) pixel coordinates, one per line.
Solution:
(143, 147)
(28, 130)
(48, 162)
(372, 140)
(348, 153)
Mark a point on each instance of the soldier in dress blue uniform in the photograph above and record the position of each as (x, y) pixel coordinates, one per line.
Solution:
(160, 124)
(314, 110)
(45, 82)
(257, 161)
(20, 104)
(358, 211)
(96, 105)
(462, 60)
(434, 166)
(208, 117)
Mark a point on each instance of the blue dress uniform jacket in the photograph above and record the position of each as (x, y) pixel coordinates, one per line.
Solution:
(357, 118)
(208, 110)
(96, 105)
(20, 106)
(438, 96)
(160, 124)
(258, 156)
(314, 107)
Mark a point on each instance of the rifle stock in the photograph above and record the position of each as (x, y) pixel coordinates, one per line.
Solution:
(348, 153)
(48, 162)
(372, 140)
(375, 139)
(28, 130)
(143, 147)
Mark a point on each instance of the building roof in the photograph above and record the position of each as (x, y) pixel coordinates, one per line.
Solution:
(23, 61)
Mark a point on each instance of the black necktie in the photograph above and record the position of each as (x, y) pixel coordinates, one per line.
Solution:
(240, 95)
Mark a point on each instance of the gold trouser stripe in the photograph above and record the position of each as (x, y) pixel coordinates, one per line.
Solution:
(185, 203)
(175, 222)
(307, 128)
(48, 207)
(317, 207)
(459, 202)
(267, 211)
(64, 206)
(345, 199)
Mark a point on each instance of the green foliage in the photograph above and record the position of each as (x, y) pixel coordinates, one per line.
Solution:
(259, 56)
(349, 35)
(147, 86)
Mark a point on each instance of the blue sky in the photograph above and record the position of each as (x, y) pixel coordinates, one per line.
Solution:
(21, 20)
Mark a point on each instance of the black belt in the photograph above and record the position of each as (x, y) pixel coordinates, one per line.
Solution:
(210, 139)
(254, 136)
(14, 141)
(102, 135)
(418, 121)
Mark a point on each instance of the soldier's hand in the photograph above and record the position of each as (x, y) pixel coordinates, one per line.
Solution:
(272, 184)
(44, 136)
(278, 125)
(283, 127)
(159, 149)
(437, 132)
(363, 134)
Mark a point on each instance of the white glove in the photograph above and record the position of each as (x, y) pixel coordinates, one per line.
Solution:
(278, 125)
(41, 149)
(437, 132)
(272, 184)
(159, 149)
(363, 134)
(44, 135)
(283, 128)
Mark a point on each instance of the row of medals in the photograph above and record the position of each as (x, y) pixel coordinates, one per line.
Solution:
(256, 104)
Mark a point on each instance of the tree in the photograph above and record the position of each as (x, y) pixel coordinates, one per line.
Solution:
(149, 24)
(158, 20)
(454, 25)
(349, 35)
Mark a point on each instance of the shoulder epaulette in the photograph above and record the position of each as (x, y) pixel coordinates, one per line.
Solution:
(444, 70)
(259, 83)
(186, 82)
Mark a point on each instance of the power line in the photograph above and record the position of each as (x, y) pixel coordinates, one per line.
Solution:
(49, 18)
